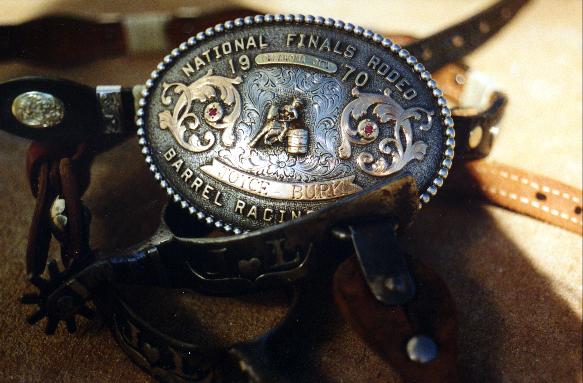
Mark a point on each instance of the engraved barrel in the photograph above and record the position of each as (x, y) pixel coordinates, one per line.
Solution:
(297, 141)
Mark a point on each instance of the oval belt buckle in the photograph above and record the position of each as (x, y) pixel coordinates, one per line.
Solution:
(279, 129)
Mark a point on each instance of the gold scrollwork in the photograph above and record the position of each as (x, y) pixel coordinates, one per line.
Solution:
(399, 147)
(182, 120)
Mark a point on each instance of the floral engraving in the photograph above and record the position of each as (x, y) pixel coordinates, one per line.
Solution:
(281, 165)
(399, 149)
(272, 88)
(183, 123)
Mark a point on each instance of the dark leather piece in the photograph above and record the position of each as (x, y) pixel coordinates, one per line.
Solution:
(55, 170)
(39, 234)
(82, 113)
(61, 41)
(387, 329)
(69, 41)
(75, 244)
(180, 28)
(486, 120)
(454, 43)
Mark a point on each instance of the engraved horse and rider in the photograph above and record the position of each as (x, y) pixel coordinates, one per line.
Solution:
(283, 123)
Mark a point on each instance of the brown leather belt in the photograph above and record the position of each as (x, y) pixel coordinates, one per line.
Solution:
(526, 193)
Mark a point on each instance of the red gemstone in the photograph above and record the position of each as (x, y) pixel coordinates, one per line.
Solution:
(213, 112)
(368, 129)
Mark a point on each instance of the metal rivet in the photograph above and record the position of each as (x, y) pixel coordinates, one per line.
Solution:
(421, 349)
(506, 13)
(457, 41)
(460, 79)
(475, 137)
(58, 217)
(484, 27)
(425, 197)
(395, 284)
(341, 233)
(38, 109)
(426, 54)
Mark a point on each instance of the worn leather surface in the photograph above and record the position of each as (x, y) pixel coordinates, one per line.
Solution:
(516, 281)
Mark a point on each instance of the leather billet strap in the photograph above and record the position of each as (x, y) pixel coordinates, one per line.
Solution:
(539, 197)
(477, 109)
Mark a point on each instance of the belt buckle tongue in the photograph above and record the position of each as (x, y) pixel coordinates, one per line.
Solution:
(382, 261)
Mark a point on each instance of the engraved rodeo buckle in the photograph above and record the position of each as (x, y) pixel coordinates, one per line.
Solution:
(262, 122)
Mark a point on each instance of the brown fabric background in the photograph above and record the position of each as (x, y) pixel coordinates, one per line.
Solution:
(516, 281)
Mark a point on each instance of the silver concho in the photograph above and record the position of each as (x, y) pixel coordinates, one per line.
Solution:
(265, 119)
(38, 109)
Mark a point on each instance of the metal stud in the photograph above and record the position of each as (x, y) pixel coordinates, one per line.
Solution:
(475, 137)
(421, 349)
(387, 42)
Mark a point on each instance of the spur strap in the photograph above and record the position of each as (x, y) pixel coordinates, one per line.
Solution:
(419, 338)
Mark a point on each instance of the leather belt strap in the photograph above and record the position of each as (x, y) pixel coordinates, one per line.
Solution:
(459, 40)
(530, 194)
(57, 41)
